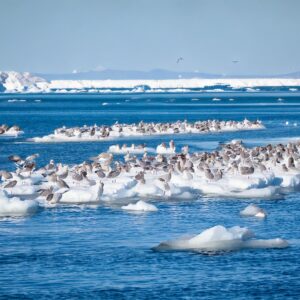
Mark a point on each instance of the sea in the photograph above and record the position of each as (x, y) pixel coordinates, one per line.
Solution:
(104, 252)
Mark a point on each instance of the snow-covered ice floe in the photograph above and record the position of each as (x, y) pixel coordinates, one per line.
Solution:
(253, 210)
(141, 206)
(219, 238)
(15, 207)
(163, 149)
(6, 130)
(102, 133)
(137, 149)
(234, 171)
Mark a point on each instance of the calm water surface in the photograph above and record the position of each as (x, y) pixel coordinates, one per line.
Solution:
(74, 252)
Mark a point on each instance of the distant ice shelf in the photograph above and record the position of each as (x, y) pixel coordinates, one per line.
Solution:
(172, 83)
(15, 82)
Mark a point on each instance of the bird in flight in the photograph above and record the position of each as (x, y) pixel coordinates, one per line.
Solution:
(235, 61)
(179, 59)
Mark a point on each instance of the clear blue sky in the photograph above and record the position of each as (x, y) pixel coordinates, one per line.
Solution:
(57, 36)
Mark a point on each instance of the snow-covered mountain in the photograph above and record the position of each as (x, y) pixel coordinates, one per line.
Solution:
(21, 82)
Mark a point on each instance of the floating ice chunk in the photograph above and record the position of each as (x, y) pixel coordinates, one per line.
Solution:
(138, 149)
(5, 130)
(140, 206)
(260, 214)
(81, 195)
(101, 133)
(250, 90)
(290, 181)
(22, 190)
(14, 207)
(253, 211)
(267, 193)
(161, 149)
(219, 238)
(236, 142)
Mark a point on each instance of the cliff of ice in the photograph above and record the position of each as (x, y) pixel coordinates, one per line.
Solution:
(15, 82)
(173, 83)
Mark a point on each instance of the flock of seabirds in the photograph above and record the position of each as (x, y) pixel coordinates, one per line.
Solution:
(6, 130)
(94, 133)
(232, 170)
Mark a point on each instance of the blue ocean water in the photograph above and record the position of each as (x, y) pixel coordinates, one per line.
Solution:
(74, 252)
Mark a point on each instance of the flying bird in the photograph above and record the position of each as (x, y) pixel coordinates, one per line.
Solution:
(179, 59)
(235, 61)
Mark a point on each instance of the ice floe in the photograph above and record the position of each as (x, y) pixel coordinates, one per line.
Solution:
(220, 238)
(15, 207)
(100, 133)
(6, 130)
(163, 149)
(138, 149)
(140, 206)
(234, 171)
(253, 210)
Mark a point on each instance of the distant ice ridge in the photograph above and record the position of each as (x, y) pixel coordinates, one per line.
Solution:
(172, 83)
(15, 82)
(219, 238)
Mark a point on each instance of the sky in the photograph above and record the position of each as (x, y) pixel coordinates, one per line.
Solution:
(59, 36)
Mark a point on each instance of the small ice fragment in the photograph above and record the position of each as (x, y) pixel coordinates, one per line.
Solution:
(253, 211)
(140, 206)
